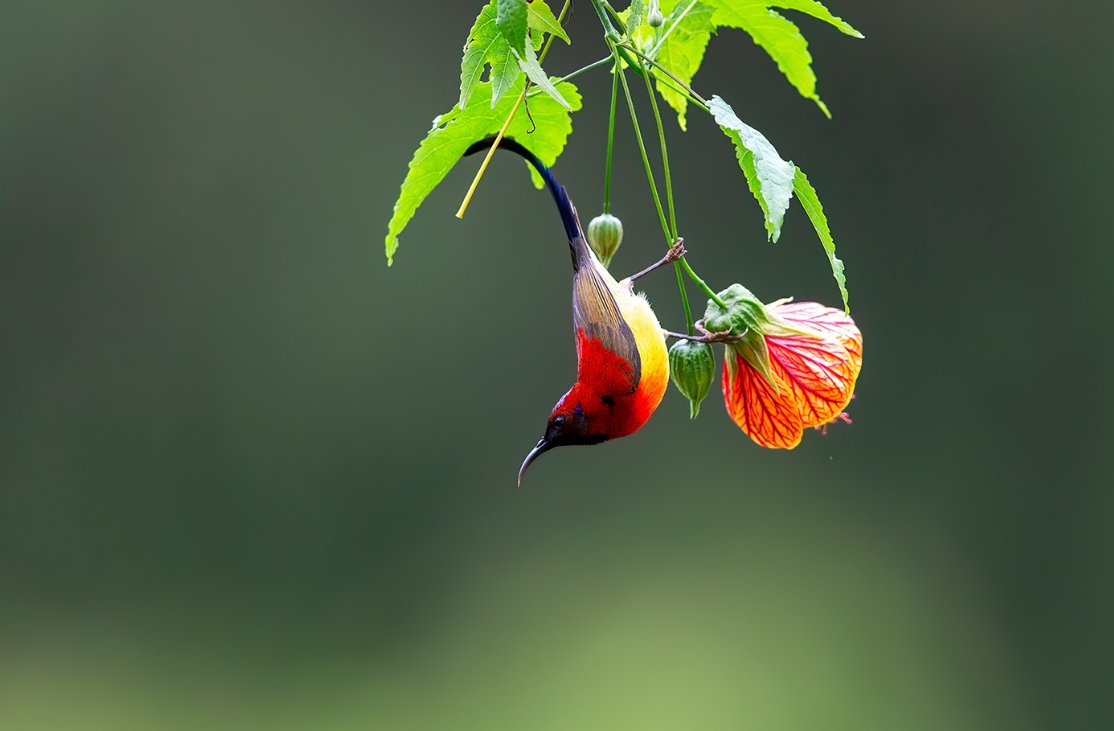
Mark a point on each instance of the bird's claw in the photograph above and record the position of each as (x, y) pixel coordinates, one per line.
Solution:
(676, 251)
(708, 336)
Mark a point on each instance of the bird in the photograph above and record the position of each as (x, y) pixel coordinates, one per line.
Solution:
(622, 361)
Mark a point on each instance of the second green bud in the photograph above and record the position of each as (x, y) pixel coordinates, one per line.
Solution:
(692, 366)
(605, 233)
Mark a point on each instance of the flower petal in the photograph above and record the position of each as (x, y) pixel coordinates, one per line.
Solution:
(824, 387)
(767, 415)
(819, 372)
(826, 320)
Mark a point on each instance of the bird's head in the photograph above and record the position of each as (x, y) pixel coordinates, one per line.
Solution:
(569, 424)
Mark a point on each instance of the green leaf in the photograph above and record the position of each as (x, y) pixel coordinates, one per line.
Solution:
(770, 178)
(779, 37)
(452, 133)
(682, 52)
(536, 74)
(511, 20)
(541, 18)
(486, 45)
(806, 194)
(636, 13)
(818, 11)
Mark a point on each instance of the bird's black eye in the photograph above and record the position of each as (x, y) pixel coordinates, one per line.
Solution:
(558, 420)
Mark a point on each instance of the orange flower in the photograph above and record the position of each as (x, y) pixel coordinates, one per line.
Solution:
(799, 373)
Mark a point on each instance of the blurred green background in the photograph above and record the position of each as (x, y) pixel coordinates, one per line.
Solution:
(251, 478)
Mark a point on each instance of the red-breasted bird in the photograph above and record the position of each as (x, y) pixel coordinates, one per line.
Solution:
(622, 362)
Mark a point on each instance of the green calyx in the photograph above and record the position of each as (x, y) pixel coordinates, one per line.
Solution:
(605, 234)
(692, 367)
(744, 314)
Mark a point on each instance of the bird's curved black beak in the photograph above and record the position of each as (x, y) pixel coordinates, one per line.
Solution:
(543, 445)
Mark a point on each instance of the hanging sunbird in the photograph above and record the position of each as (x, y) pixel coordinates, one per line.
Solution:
(622, 365)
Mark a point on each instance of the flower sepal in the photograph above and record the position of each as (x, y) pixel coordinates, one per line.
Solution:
(745, 314)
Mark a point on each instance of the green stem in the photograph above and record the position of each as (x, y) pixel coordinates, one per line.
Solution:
(614, 13)
(664, 154)
(669, 197)
(701, 283)
(670, 238)
(695, 98)
(569, 77)
(645, 156)
(682, 264)
(611, 134)
(607, 25)
(699, 100)
(684, 297)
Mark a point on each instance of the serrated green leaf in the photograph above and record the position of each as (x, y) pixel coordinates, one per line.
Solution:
(452, 133)
(511, 20)
(505, 72)
(806, 194)
(769, 177)
(778, 36)
(541, 18)
(636, 13)
(487, 46)
(536, 74)
(818, 11)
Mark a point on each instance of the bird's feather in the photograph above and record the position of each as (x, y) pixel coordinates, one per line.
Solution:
(596, 314)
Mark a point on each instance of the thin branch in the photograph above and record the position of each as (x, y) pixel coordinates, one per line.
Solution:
(707, 337)
(510, 117)
(569, 77)
(703, 102)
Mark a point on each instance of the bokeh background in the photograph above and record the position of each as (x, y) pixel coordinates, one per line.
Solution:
(252, 478)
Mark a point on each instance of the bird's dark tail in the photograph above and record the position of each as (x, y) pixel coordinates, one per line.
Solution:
(560, 195)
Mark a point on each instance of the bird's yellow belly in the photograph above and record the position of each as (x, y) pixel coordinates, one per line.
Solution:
(652, 352)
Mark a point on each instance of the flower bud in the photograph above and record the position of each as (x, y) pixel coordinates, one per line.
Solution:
(655, 19)
(605, 233)
(692, 368)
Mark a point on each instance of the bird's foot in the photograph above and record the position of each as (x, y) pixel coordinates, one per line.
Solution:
(707, 336)
(676, 252)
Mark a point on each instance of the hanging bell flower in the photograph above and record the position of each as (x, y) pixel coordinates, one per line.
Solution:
(795, 366)
(605, 234)
(692, 366)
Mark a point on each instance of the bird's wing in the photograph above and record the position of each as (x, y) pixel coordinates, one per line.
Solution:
(597, 315)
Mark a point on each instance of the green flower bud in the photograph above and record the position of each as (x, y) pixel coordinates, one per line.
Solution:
(655, 19)
(605, 233)
(693, 369)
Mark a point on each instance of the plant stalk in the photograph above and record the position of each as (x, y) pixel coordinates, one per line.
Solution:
(618, 69)
(510, 117)
(669, 196)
